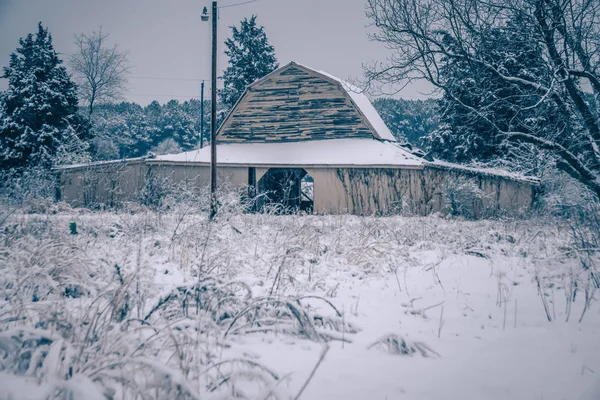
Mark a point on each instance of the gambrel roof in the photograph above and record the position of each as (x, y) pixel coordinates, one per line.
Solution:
(364, 105)
(298, 103)
(303, 117)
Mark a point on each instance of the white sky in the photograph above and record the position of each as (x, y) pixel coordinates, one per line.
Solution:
(166, 39)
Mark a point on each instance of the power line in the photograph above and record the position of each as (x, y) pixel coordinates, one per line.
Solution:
(163, 95)
(159, 78)
(238, 4)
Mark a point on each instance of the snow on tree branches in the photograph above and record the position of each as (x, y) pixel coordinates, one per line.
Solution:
(38, 111)
(514, 72)
(251, 57)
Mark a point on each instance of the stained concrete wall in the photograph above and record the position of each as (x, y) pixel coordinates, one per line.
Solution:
(366, 191)
(361, 191)
(105, 184)
(198, 176)
(111, 184)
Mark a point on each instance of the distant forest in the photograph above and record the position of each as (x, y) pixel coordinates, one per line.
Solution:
(409, 120)
(129, 130)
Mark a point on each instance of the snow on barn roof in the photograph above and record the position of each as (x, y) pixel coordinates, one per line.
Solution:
(333, 152)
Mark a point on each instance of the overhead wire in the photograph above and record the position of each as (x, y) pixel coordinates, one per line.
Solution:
(238, 4)
(181, 79)
(160, 78)
(164, 95)
(167, 79)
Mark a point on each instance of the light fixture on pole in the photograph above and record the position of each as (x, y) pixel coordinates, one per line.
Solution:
(213, 111)
(204, 16)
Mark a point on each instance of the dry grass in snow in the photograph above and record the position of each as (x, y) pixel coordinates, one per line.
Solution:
(165, 305)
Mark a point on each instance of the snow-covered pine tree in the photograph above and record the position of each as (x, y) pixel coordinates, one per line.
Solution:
(180, 125)
(408, 120)
(463, 135)
(529, 73)
(39, 108)
(251, 57)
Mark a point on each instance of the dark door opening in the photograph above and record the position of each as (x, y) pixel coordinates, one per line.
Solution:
(285, 191)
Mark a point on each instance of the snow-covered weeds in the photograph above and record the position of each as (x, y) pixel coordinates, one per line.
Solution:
(90, 314)
(158, 304)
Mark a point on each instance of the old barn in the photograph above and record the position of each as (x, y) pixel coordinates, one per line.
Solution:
(307, 140)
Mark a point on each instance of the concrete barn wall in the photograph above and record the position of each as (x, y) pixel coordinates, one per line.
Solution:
(115, 183)
(108, 184)
(498, 193)
(366, 191)
(198, 176)
(361, 191)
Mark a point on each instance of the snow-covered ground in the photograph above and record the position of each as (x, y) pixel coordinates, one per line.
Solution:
(173, 307)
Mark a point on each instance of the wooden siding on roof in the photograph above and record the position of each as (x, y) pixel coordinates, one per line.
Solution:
(293, 105)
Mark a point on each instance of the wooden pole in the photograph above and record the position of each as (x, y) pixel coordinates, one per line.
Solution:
(213, 117)
(202, 115)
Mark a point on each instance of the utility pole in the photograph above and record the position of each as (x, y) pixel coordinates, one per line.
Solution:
(213, 117)
(202, 114)
(213, 111)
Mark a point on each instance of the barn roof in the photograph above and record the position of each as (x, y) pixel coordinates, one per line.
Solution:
(295, 103)
(379, 148)
(362, 102)
(334, 152)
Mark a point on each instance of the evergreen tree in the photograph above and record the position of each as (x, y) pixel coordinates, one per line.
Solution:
(129, 130)
(121, 131)
(39, 108)
(408, 120)
(464, 136)
(250, 58)
(180, 125)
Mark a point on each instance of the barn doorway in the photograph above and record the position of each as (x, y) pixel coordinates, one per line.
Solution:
(286, 191)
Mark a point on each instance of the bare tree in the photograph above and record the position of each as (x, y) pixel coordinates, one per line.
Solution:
(426, 35)
(99, 69)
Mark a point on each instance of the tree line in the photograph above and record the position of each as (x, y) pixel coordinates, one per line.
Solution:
(519, 79)
(50, 117)
(517, 85)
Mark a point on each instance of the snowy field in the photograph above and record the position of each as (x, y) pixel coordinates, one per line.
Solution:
(164, 306)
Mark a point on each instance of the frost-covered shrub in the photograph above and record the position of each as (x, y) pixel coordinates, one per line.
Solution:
(461, 196)
(156, 190)
(562, 195)
(161, 193)
(397, 345)
(105, 149)
(405, 207)
(167, 146)
(85, 316)
(32, 189)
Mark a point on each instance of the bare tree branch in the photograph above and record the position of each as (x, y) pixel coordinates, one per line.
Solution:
(424, 36)
(100, 71)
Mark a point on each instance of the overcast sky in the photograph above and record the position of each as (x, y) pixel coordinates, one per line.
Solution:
(166, 39)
